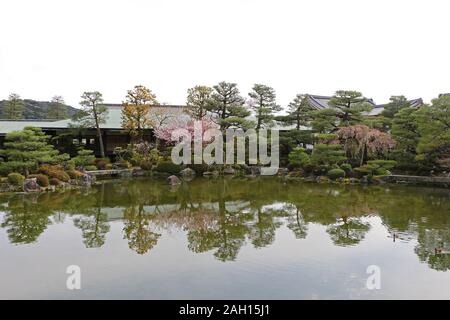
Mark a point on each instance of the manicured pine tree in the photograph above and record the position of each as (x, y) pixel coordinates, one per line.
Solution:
(93, 113)
(199, 100)
(346, 108)
(25, 150)
(263, 103)
(228, 106)
(299, 111)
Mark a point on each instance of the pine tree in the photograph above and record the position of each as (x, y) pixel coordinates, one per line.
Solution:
(14, 107)
(228, 106)
(93, 114)
(263, 103)
(199, 100)
(327, 154)
(299, 111)
(345, 109)
(405, 132)
(25, 150)
(396, 104)
(58, 109)
(434, 129)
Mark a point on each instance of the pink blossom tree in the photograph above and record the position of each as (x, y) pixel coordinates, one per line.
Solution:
(360, 141)
(167, 132)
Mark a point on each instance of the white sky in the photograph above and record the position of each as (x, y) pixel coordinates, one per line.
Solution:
(381, 47)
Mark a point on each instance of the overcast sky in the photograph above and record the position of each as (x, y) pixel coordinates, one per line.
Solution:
(381, 48)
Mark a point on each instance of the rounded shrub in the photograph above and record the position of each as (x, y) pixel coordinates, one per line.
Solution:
(41, 179)
(90, 168)
(334, 174)
(168, 167)
(347, 167)
(16, 179)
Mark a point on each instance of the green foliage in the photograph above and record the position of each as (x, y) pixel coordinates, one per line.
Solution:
(386, 164)
(14, 107)
(92, 114)
(25, 150)
(90, 168)
(299, 111)
(15, 178)
(85, 157)
(376, 167)
(124, 153)
(396, 104)
(57, 109)
(228, 105)
(346, 108)
(168, 167)
(199, 100)
(434, 130)
(346, 167)
(41, 179)
(405, 131)
(327, 154)
(263, 102)
(299, 158)
(334, 174)
(325, 138)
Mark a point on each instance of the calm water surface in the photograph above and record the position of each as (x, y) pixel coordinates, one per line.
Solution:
(221, 239)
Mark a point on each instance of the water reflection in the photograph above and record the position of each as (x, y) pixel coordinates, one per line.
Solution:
(221, 216)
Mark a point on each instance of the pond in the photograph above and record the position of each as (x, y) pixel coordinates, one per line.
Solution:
(227, 239)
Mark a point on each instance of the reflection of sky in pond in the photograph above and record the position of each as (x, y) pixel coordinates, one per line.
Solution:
(226, 239)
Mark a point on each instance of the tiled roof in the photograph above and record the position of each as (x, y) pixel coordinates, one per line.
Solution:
(322, 102)
(378, 109)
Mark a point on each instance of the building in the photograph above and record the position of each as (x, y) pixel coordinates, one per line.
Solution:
(67, 135)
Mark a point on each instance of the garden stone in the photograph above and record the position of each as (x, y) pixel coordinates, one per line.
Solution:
(31, 185)
(173, 180)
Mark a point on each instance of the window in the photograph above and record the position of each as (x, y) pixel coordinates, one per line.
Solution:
(83, 141)
(91, 141)
(75, 141)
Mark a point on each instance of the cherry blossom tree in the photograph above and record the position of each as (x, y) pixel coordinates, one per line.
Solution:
(360, 141)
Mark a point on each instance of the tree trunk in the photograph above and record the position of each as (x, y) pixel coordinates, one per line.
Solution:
(100, 141)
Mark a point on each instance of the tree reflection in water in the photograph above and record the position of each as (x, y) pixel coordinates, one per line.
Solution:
(223, 215)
